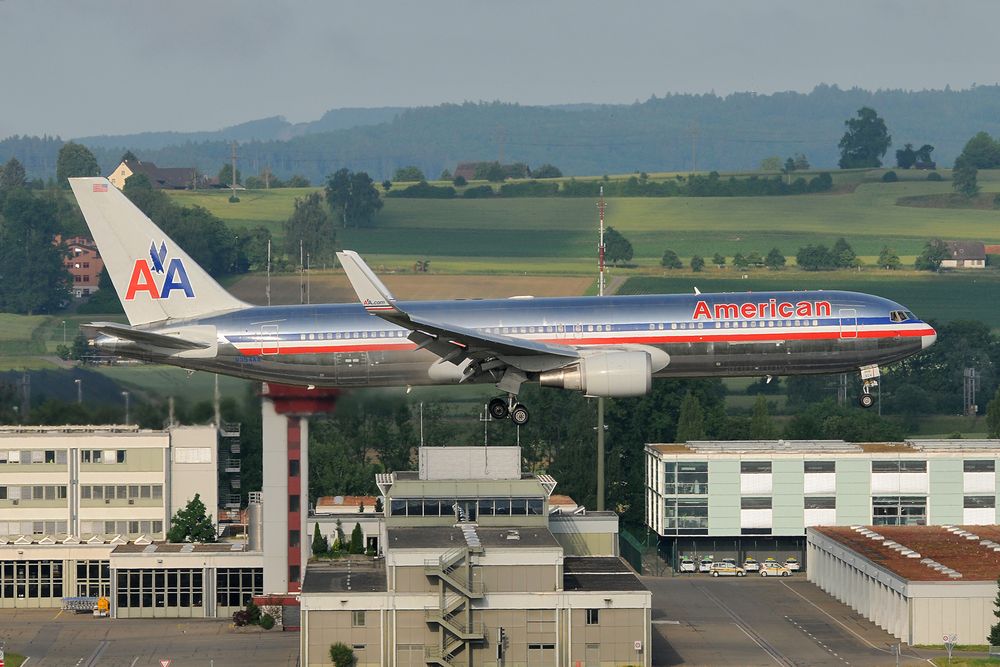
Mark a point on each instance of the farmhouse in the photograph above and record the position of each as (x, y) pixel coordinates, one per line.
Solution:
(84, 263)
(965, 255)
(169, 178)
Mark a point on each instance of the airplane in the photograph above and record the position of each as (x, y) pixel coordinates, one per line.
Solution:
(610, 346)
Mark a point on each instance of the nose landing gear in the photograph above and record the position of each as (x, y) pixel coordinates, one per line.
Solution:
(500, 408)
(869, 380)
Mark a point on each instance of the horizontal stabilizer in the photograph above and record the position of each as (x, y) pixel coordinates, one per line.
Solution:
(198, 340)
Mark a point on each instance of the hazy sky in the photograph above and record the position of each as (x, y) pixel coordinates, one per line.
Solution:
(117, 66)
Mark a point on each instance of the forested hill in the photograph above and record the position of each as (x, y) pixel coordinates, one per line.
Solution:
(728, 133)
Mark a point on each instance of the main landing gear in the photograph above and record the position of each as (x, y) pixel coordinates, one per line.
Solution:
(500, 408)
(869, 381)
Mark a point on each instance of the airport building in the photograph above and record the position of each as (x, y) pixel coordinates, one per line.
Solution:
(759, 497)
(84, 511)
(919, 583)
(478, 567)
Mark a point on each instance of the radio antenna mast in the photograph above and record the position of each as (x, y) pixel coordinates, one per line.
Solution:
(600, 246)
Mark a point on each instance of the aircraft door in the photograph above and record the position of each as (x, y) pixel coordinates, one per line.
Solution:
(352, 367)
(269, 341)
(848, 323)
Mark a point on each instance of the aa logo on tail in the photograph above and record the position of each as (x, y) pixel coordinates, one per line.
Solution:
(175, 276)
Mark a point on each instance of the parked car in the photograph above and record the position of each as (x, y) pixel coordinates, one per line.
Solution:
(774, 569)
(725, 569)
(730, 560)
(750, 564)
(706, 564)
(792, 563)
(687, 565)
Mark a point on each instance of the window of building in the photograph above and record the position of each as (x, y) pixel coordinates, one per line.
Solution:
(755, 503)
(975, 502)
(755, 531)
(293, 503)
(899, 466)
(148, 588)
(685, 478)
(293, 573)
(820, 503)
(685, 516)
(93, 578)
(593, 616)
(819, 466)
(358, 618)
(234, 586)
(293, 538)
(31, 579)
(979, 466)
(120, 456)
(293, 467)
(899, 510)
(755, 467)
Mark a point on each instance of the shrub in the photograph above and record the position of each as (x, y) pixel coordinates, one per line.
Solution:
(478, 192)
(241, 618)
(424, 190)
(342, 655)
(889, 177)
(233, 199)
(934, 176)
(253, 613)
(267, 621)
(459, 181)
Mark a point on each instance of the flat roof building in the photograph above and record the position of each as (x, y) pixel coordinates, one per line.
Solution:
(477, 568)
(919, 583)
(761, 496)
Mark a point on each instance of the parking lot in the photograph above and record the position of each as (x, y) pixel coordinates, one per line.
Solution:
(54, 639)
(702, 620)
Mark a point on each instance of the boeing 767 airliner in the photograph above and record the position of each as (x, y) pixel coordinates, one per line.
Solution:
(602, 346)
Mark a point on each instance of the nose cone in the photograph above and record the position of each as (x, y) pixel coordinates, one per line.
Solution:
(928, 340)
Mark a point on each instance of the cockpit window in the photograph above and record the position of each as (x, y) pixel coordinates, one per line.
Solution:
(900, 316)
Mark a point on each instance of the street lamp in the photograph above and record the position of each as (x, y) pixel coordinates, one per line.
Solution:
(125, 394)
(64, 331)
(79, 391)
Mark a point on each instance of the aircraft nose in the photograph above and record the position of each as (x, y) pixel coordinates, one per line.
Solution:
(928, 340)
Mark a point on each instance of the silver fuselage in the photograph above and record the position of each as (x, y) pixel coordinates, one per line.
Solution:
(744, 334)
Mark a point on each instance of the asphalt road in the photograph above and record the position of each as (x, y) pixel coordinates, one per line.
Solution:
(53, 639)
(753, 621)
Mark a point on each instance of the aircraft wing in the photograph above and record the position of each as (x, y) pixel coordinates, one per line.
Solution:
(181, 339)
(449, 341)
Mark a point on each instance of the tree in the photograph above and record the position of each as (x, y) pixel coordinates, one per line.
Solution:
(844, 256)
(670, 260)
(815, 258)
(697, 263)
(191, 523)
(12, 175)
(865, 141)
(128, 156)
(719, 260)
(993, 424)
(386, 185)
(994, 636)
(353, 197)
(888, 259)
(931, 256)
(546, 171)
(906, 157)
(774, 260)
(761, 426)
(490, 171)
(378, 505)
(410, 173)
(964, 177)
(691, 420)
(226, 175)
(981, 152)
(445, 175)
(357, 540)
(342, 655)
(36, 281)
(740, 261)
(801, 163)
(616, 247)
(297, 181)
(460, 182)
(320, 544)
(772, 163)
(75, 160)
(789, 166)
(311, 225)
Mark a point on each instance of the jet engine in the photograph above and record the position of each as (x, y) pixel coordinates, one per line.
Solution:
(613, 374)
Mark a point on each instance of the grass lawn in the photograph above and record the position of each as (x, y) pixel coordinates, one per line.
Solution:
(164, 381)
(13, 659)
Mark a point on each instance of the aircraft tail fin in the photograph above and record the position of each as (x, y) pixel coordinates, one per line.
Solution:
(154, 278)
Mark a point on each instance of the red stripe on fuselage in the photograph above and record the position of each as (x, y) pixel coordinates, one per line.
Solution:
(660, 339)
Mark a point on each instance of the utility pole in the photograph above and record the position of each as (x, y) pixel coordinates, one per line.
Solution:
(267, 288)
(308, 280)
(302, 265)
(232, 180)
(125, 396)
(600, 399)
(79, 391)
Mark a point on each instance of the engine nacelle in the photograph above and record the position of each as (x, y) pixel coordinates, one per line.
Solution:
(613, 374)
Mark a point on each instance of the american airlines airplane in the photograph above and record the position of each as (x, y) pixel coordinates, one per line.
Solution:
(602, 346)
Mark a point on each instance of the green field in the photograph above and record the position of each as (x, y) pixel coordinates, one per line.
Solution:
(511, 234)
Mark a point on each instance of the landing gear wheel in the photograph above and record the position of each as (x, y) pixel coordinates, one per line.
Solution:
(498, 409)
(519, 415)
(867, 400)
